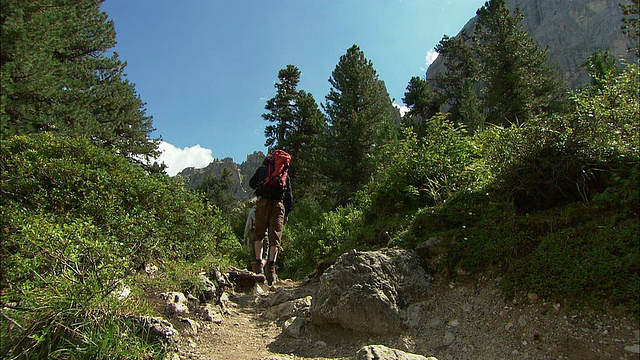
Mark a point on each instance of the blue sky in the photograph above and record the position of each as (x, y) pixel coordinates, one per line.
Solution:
(205, 68)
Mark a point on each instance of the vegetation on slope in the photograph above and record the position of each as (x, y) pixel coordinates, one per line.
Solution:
(549, 204)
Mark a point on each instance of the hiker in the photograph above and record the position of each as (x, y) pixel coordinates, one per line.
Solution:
(249, 227)
(275, 200)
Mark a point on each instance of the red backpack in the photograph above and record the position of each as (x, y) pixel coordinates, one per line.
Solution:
(278, 170)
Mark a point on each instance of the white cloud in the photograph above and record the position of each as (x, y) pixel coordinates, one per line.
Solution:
(177, 159)
(403, 109)
(431, 56)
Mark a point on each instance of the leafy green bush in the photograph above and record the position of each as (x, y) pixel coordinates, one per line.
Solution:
(553, 160)
(421, 171)
(313, 237)
(77, 222)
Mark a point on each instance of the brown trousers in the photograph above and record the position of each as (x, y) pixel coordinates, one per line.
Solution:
(269, 217)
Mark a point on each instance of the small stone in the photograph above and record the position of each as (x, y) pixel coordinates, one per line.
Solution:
(522, 321)
(633, 348)
(434, 323)
(556, 307)
(449, 338)
(509, 326)
(454, 323)
(533, 297)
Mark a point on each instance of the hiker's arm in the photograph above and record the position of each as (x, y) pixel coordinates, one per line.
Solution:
(288, 198)
(259, 175)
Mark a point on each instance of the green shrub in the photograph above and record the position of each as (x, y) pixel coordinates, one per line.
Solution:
(313, 236)
(421, 171)
(77, 222)
(554, 160)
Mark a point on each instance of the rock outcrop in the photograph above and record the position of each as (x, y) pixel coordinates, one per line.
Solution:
(369, 291)
(572, 31)
(240, 174)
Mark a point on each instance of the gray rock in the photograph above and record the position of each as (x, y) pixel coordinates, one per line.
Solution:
(294, 326)
(212, 313)
(160, 330)
(370, 291)
(175, 303)
(381, 352)
(286, 310)
(207, 288)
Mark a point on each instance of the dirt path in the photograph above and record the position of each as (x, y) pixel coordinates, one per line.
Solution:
(459, 321)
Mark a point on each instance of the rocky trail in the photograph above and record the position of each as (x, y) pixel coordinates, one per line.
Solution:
(466, 320)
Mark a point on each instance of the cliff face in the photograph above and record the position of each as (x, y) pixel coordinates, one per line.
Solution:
(240, 174)
(571, 30)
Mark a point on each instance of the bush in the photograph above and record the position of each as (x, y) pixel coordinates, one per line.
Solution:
(313, 237)
(77, 221)
(550, 161)
(421, 171)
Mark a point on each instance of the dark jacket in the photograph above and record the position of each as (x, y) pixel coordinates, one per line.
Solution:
(269, 193)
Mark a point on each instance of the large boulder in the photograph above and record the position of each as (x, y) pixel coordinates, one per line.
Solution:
(370, 291)
(381, 352)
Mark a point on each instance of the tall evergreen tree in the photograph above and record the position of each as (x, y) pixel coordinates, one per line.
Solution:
(281, 108)
(303, 142)
(421, 100)
(359, 112)
(521, 82)
(457, 84)
(601, 66)
(54, 76)
(296, 123)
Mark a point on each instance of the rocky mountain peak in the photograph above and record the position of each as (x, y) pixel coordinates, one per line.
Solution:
(240, 174)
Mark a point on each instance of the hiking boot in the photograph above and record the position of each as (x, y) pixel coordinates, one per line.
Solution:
(271, 273)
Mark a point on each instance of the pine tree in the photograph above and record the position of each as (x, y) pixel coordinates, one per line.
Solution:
(521, 82)
(421, 100)
(303, 141)
(457, 84)
(359, 112)
(601, 66)
(296, 123)
(54, 76)
(282, 108)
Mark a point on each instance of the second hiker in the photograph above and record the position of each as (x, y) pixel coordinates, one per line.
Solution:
(275, 200)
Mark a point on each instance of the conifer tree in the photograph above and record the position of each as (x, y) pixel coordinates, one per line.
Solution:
(457, 85)
(281, 108)
(521, 82)
(421, 100)
(296, 123)
(54, 76)
(359, 112)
